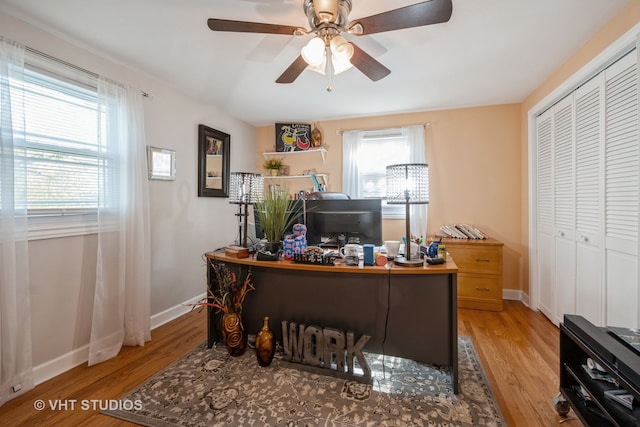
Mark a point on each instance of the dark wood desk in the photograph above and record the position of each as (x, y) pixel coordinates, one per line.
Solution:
(408, 312)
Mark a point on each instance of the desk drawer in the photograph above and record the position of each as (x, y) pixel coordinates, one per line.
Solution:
(477, 259)
(477, 286)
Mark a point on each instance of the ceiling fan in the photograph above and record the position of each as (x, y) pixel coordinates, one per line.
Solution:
(328, 52)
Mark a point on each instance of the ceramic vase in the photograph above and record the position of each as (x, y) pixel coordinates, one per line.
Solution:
(274, 172)
(265, 344)
(235, 338)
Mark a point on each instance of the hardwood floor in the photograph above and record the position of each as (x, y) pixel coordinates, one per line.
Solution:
(517, 346)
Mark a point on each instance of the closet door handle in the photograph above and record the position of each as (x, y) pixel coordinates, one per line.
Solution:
(482, 260)
(482, 289)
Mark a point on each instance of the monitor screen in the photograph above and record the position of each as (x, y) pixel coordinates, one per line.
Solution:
(338, 222)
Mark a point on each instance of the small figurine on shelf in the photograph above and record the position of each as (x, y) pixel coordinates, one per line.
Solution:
(316, 137)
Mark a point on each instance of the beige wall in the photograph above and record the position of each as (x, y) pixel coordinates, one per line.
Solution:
(474, 170)
(614, 29)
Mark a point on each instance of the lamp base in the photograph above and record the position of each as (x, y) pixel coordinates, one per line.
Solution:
(414, 262)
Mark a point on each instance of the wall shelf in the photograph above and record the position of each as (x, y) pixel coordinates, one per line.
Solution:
(321, 150)
(323, 177)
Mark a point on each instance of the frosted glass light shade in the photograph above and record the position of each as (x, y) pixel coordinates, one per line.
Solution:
(408, 183)
(313, 52)
(246, 187)
(341, 53)
(341, 47)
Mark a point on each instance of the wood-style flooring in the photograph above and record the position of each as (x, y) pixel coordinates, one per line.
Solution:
(518, 349)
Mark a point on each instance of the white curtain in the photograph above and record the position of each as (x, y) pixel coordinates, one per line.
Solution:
(122, 298)
(351, 141)
(417, 155)
(15, 310)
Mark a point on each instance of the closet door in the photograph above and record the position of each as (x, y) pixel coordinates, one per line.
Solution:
(589, 161)
(544, 214)
(564, 208)
(622, 184)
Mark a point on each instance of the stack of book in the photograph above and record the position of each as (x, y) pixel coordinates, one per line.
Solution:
(463, 231)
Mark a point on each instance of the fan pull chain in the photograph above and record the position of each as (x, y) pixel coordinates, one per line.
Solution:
(329, 68)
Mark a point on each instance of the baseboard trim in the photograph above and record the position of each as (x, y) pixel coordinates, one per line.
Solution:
(512, 294)
(78, 356)
(174, 312)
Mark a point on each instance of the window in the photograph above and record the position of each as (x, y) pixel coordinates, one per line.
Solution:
(61, 129)
(366, 155)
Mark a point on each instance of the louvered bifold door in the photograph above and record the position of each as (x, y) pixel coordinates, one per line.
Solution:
(622, 184)
(544, 213)
(564, 208)
(589, 161)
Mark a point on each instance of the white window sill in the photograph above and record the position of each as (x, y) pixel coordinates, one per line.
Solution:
(54, 227)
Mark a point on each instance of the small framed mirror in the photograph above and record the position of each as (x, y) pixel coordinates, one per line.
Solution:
(213, 162)
(161, 163)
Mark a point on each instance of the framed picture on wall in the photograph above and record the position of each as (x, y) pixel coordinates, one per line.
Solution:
(161, 163)
(213, 162)
(293, 137)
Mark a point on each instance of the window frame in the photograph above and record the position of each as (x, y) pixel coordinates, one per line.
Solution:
(389, 211)
(45, 223)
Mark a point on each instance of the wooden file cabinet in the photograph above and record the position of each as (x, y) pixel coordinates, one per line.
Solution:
(479, 272)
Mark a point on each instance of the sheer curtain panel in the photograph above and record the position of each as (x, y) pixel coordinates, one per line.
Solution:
(16, 371)
(122, 300)
(364, 151)
(417, 155)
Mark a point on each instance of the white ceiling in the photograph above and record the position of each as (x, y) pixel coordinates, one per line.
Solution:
(490, 52)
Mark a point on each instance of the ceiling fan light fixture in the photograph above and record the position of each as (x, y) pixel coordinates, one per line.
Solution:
(340, 64)
(313, 52)
(321, 68)
(341, 47)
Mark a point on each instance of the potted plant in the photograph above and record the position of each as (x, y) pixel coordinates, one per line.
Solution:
(276, 214)
(273, 166)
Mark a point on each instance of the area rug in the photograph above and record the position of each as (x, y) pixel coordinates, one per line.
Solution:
(207, 387)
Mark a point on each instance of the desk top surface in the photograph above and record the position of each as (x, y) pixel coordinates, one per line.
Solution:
(448, 267)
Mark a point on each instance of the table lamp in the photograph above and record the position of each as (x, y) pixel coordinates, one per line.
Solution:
(245, 188)
(408, 184)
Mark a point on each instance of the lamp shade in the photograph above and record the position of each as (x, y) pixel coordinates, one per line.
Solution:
(408, 183)
(246, 187)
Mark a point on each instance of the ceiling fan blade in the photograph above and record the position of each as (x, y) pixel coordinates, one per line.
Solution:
(293, 71)
(369, 66)
(250, 27)
(425, 13)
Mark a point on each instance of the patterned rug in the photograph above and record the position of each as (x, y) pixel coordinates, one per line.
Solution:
(207, 387)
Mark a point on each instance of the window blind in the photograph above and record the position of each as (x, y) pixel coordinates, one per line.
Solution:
(61, 138)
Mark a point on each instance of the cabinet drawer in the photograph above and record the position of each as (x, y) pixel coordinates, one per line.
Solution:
(476, 286)
(477, 259)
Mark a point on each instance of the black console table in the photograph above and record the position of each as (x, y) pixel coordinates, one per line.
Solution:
(580, 340)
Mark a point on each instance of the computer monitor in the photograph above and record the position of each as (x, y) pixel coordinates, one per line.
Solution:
(338, 222)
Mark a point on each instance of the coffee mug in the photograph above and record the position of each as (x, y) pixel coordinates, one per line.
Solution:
(392, 247)
(350, 250)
